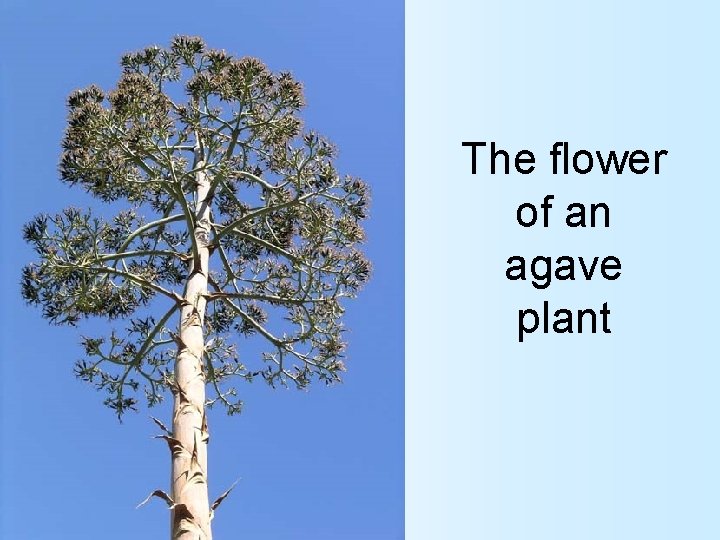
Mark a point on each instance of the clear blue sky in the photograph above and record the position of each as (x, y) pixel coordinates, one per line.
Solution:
(326, 464)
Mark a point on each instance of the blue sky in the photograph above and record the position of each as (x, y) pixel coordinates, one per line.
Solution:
(326, 464)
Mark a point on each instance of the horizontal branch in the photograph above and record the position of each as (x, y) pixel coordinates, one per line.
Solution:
(142, 253)
(259, 212)
(142, 282)
(148, 226)
(268, 298)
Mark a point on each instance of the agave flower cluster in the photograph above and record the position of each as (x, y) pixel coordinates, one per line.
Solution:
(282, 234)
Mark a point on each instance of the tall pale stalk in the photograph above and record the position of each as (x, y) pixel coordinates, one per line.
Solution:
(191, 513)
